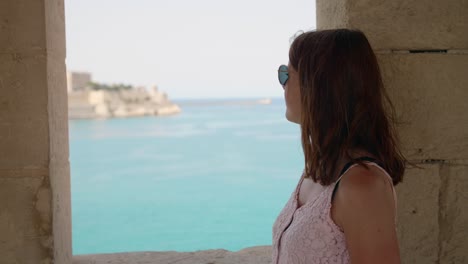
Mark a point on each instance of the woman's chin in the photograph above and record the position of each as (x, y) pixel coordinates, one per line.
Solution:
(291, 118)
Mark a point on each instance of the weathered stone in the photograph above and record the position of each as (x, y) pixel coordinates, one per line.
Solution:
(453, 214)
(399, 24)
(58, 131)
(35, 210)
(331, 14)
(430, 94)
(418, 212)
(58, 119)
(23, 118)
(24, 250)
(62, 225)
(20, 27)
(25, 220)
(55, 30)
(251, 255)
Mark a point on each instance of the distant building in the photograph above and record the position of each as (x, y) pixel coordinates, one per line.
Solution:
(114, 101)
(78, 81)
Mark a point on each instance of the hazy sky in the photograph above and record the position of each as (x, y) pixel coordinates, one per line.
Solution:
(190, 49)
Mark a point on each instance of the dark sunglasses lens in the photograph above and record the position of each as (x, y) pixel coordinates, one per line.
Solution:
(283, 74)
(283, 77)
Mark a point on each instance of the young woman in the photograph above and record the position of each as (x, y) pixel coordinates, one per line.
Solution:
(344, 207)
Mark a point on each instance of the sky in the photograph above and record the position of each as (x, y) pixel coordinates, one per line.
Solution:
(189, 49)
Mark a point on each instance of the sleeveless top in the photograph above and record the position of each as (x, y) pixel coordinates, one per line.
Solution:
(308, 235)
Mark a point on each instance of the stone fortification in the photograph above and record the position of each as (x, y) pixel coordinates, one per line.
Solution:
(131, 102)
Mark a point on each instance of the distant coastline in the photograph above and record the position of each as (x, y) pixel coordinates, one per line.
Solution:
(90, 100)
(226, 101)
(99, 104)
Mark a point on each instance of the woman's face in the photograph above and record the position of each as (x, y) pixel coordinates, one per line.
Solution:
(292, 96)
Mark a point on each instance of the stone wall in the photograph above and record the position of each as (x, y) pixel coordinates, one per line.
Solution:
(35, 221)
(422, 47)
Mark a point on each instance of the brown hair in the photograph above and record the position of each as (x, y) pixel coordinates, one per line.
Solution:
(343, 103)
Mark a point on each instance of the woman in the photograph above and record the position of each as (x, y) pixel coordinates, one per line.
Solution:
(344, 207)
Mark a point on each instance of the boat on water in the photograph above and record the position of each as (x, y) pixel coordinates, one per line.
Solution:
(264, 101)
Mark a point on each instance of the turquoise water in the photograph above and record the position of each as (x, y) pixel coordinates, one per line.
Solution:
(211, 177)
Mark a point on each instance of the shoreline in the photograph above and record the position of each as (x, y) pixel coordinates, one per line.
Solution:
(226, 101)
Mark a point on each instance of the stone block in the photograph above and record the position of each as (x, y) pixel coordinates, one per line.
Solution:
(24, 250)
(61, 202)
(430, 94)
(55, 28)
(34, 166)
(21, 28)
(418, 212)
(25, 224)
(24, 131)
(331, 14)
(24, 145)
(57, 108)
(400, 24)
(23, 87)
(454, 214)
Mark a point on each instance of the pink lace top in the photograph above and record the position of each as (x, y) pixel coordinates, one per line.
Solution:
(308, 234)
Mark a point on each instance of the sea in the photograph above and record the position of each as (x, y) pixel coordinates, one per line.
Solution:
(214, 176)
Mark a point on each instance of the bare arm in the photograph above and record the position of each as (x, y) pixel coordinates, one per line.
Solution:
(364, 208)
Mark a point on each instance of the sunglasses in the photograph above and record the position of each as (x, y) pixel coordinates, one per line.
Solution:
(283, 74)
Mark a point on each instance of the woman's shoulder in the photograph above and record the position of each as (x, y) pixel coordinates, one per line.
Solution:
(360, 178)
(365, 191)
(365, 209)
(365, 183)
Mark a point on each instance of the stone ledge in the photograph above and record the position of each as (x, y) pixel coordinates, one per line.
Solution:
(257, 255)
